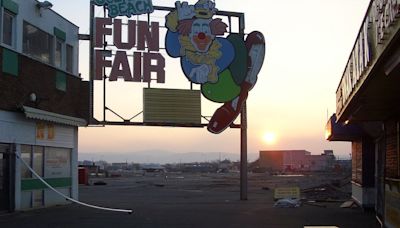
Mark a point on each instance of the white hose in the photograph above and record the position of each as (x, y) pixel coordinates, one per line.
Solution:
(66, 197)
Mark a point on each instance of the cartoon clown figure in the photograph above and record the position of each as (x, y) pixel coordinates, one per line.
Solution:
(226, 68)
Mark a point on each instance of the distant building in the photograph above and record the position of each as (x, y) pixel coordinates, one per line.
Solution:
(295, 160)
(119, 166)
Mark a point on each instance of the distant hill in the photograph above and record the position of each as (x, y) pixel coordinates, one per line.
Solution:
(162, 157)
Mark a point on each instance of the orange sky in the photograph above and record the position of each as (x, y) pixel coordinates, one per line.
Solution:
(308, 43)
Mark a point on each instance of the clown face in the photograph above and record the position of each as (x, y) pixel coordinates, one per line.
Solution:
(200, 35)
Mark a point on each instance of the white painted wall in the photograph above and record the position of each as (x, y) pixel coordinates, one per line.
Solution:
(64, 137)
(17, 194)
(74, 170)
(16, 129)
(364, 196)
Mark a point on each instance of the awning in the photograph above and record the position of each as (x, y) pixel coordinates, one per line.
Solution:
(38, 114)
(336, 131)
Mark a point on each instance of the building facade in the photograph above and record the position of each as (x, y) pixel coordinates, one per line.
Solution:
(43, 101)
(296, 160)
(368, 112)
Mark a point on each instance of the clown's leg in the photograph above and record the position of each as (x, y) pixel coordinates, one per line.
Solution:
(255, 45)
(227, 113)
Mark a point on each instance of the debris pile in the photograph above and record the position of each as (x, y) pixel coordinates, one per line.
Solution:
(325, 193)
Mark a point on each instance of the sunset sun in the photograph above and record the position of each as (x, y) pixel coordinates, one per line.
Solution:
(269, 137)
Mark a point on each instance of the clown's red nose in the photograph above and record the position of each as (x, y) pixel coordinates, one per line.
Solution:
(201, 35)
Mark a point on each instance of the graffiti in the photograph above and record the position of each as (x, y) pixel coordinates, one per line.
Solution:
(226, 67)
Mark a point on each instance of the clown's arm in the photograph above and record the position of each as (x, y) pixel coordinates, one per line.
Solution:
(172, 44)
(228, 54)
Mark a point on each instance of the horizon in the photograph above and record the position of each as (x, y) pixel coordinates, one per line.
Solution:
(168, 157)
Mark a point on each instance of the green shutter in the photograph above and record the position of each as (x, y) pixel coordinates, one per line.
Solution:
(10, 6)
(10, 62)
(33, 184)
(61, 81)
(60, 34)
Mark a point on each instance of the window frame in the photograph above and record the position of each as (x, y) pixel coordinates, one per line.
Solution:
(30, 162)
(68, 48)
(62, 52)
(13, 28)
(51, 42)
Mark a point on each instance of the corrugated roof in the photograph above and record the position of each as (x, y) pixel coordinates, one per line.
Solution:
(38, 114)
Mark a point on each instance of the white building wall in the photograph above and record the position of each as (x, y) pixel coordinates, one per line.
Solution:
(16, 129)
(74, 170)
(362, 195)
(17, 179)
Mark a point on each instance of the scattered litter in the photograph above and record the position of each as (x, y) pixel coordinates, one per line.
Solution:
(321, 227)
(326, 193)
(349, 204)
(99, 183)
(313, 203)
(289, 175)
(287, 203)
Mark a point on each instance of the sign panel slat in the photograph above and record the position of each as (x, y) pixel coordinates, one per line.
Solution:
(171, 106)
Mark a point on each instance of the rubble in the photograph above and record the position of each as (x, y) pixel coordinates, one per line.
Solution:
(325, 193)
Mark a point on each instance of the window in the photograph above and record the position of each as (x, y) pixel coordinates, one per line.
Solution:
(61, 81)
(70, 58)
(8, 28)
(37, 43)
(33, 158)
(38, 160)
(59, 53)
(58, 162)
(26, 152)
(51, 163)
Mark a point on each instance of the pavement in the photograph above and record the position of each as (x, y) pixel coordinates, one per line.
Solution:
(190, 200)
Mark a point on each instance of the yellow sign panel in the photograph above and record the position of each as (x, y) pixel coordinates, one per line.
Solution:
(171, 106)
(289, 192)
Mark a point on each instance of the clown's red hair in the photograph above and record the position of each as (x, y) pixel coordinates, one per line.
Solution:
(216, 25)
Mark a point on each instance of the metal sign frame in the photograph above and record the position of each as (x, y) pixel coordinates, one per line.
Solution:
(128, 122)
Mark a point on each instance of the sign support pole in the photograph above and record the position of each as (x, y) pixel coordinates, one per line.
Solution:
(91, 64)
(243, 133)
(243, 153)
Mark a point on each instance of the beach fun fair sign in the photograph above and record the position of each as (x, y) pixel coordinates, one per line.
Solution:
(142, 37)
(226, 67)
(126, 7)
